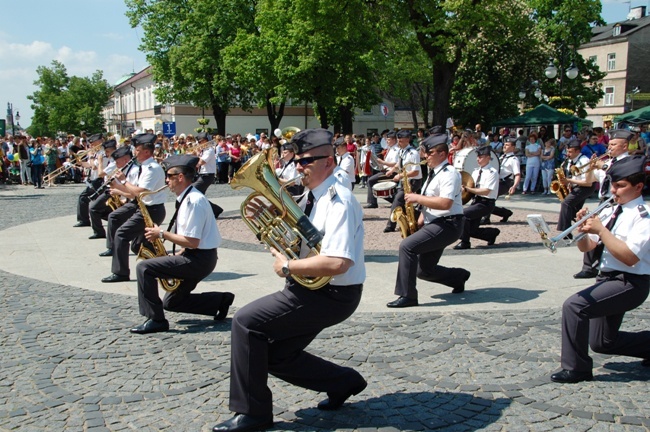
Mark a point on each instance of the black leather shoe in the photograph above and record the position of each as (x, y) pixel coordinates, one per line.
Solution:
(402, 302)
(462, 246)
(371, 206)
(151, 326)
(571, 377)
(97, 236)
(226, 301)
(485, 221)
(585, 274)
(506, 217)
(389, 229)
(244, 423)
(334, 402)
(115, 278)
(494, 238)
(461, 286)
(80, 224)
(107, 252)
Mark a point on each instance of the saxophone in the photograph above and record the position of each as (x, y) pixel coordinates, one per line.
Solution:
(168, 285)
(557, 186)
(406, 219)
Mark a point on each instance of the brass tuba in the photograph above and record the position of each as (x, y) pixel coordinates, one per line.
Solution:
(406, 220)
(285, 231)
(168, 285)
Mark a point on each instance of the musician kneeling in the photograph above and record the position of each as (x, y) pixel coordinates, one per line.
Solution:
(485, 190)
(594, 315)
(196, 231)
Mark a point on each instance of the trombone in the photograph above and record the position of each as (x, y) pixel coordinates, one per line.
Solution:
(589, 166)
(537, 223)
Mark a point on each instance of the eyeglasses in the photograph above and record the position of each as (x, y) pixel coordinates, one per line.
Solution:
(172, 175)
(308, 160)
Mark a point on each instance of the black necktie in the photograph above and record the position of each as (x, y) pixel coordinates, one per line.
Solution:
(600, 247)
(478, 179)
(139, 171)
(310, 203)
(607, 181)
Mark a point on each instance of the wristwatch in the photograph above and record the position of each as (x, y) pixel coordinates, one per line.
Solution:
(161, 235)
(285, 269)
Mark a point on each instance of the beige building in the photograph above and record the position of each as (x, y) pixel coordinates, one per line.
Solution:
(622, 50)
(133, 106)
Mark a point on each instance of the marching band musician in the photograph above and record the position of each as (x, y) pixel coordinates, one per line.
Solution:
(98, 209)
(408, 154)
(441, 220)
(510, 176)
(287, 170)
(194, 228)
(83, 217)
(618, 150)
(344, 160)
(269, 335)
(392, 156)
(621, 240)
(126, 224)
(207, 163)
(485, 190)
(581, 185)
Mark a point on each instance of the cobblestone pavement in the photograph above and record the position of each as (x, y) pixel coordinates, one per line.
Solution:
(68, 363)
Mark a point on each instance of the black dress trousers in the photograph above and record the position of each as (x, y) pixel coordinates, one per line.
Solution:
(116, 219)
(83, 202)
(99, 211)
(203, 182)
(270, 335)
(473, 214)
(192, 267)
(398, 199)
(572, 204)
(504, 187)
(420, 253)
(594, 315)
(133, 230)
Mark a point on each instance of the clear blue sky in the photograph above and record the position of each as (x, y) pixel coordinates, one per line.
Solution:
(90, 35)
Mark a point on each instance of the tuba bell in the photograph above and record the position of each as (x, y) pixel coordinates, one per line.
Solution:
(283, 225)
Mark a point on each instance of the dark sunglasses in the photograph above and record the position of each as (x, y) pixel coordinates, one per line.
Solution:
(308, 160)
(172, 175)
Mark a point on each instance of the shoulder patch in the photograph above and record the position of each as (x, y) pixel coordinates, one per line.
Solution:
(642, 211)
(332, 192)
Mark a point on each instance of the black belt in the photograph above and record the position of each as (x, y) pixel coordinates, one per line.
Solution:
(482, 199)
(206, 175)
(507, 178)
(448, 218)
(154, 205)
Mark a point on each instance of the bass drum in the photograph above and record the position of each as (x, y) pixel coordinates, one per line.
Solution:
(465, 160)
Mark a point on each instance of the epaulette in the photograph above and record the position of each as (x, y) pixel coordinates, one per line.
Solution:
(643, 212)
(332, 192)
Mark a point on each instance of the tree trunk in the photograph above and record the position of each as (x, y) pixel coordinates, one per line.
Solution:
(347, 117)
(322, 116)
(443, 80)
(220, 117)
(274, 113)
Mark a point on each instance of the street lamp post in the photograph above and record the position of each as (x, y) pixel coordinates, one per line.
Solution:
(629, 98)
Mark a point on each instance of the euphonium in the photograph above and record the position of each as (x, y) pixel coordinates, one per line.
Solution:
(406, 219)
(557, 186)
(158, 246)
(285, 231)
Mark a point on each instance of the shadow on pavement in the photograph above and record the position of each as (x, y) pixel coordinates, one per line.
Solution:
(504, 295)
(226, 276)
(406, 411)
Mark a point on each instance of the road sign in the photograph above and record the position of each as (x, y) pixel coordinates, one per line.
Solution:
(384, 110)
(169, 129)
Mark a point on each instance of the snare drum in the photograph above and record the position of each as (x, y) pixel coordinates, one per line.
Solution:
(384, 189)
(465, 160)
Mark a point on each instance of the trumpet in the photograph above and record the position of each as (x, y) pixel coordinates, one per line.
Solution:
(589, 166)
(551, 243)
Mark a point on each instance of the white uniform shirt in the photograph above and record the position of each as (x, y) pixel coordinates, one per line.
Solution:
(195, 219)
(346, 163)
(581, 161)
(288, 171)
(338, 216)
(633, 227)
(210, 158)
(392, 154)
(411, 155)
(601, 174)
(489, 180)
(445, 184)
(342, 177)
(110, 167)
(509, 166)
(152, 178)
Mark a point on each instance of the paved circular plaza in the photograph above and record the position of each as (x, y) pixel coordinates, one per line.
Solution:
(478, 361)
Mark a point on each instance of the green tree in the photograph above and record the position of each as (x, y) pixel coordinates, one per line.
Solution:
(64, 103)
(183, 41)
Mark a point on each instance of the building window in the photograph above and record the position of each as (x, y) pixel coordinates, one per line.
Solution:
(609, 96)
(617, 30)
(611, 61)
(593, 60)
